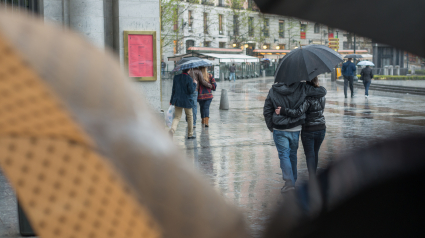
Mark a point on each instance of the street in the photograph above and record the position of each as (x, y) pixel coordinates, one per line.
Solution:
(237, 153)
(237, 156)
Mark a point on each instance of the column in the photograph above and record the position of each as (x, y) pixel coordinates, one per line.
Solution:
(139, 16)
(87, 17)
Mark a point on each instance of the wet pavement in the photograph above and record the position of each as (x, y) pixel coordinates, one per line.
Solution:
(236, 154)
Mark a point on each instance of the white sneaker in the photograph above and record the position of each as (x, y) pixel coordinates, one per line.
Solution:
(366, 96)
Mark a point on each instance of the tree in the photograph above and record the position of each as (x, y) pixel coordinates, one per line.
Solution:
(172, 23)
(292, 28)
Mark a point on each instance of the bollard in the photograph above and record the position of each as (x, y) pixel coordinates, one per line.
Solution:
(264, 73)
(224, 101)
(333, 75)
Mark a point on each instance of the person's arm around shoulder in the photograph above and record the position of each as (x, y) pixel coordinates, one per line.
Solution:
(268, 111)
(312, 91)
(295, 112)
(191, 86)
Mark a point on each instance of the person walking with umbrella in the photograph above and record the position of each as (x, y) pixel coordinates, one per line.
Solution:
(205, 96)
(181, 98)
(314, 130)
(348, 71)
(366, 75)
(302, 64)
(196, 74)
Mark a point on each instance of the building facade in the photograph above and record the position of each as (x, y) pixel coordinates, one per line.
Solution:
(239, 24)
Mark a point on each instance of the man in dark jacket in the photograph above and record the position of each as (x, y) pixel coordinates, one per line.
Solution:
(366, 76)
(286, 130)
(348, 71)
(181, 98)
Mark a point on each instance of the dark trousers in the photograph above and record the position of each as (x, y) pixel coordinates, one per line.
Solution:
(312, 140)
(205, 107)
(348, 79)
(366, 87)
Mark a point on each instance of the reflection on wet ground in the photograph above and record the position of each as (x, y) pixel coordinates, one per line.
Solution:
(237, 154)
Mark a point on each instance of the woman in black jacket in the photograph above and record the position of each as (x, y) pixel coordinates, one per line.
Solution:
(314, 130)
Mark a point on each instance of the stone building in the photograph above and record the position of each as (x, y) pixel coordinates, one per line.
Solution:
(102, 22)
(239, 24)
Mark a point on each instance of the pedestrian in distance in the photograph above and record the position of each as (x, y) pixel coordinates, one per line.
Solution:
(163, 65)
(313, 130)
(232, 70)
(348, 70)
(366, 75)
(285, 129)
(182, 99)
(197, 75)
(205, 96)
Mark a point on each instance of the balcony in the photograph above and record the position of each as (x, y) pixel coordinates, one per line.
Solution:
(207, 2)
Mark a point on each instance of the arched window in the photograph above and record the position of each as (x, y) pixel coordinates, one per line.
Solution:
(317, 28)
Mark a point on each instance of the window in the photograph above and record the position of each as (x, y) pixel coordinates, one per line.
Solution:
(330, 33)
(205, 23)
(282, 46)
(176, 20)
(175, 48)
(189, 43)
(251, 26)
(222, 44)
(281, 29)
(266, 46)
(235, 25)
(317, 28)
(303, 29)
(207, 43)
(190, 20)
(220, 24)
(266, 27)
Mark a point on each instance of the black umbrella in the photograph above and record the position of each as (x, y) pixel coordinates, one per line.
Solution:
(397, 22)
(306, 63)
(354, 56)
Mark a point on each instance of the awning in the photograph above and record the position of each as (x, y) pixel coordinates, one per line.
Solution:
(214, 50)
(223, 58)
(271, 51)
(179, 57)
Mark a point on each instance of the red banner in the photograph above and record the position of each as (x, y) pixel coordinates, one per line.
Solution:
(331, 35)
(140, 55)
(302, 35)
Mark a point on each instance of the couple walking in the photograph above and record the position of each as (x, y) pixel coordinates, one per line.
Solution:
(191, 86)
(295, 107)
(291, 110)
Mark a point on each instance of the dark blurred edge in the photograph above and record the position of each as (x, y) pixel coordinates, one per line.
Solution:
(382, 195)
(398, 23)
(25, 228)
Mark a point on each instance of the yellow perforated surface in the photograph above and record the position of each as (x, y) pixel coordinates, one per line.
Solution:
(65, 187)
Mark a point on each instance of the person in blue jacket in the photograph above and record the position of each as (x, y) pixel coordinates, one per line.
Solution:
(181, 98)
(348, 71)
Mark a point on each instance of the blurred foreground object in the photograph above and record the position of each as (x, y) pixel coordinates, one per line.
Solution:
(84, 153)
(375, 192)
(398, 23)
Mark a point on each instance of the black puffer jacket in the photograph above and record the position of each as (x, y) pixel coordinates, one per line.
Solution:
(292, 97)
(313, 109)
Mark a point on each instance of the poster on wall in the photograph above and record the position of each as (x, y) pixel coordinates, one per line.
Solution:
(140, 55)
(216, 72)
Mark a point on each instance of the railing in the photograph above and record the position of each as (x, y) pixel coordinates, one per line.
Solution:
(30, 5)
(381, 71)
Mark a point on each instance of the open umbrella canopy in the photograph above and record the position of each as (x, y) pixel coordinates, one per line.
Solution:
(306, 63)
(397, 22)
(187, 59)
(354, 56)
(365, 63)
(192, 63)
